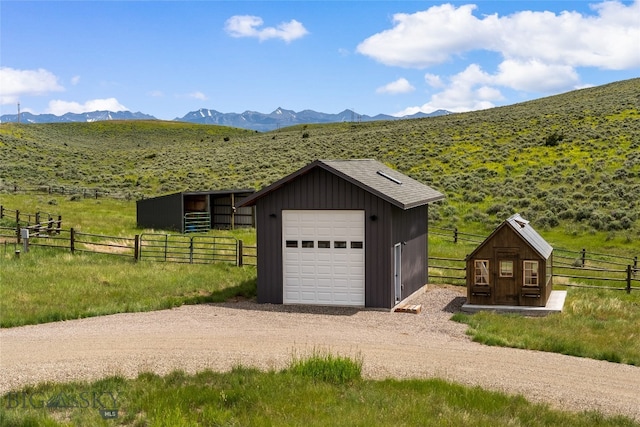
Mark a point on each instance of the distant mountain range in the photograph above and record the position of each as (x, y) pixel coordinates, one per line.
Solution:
(95, 116)
(248, 120)
(281, 118)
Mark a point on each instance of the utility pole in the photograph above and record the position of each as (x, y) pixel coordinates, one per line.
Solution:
(18, 113)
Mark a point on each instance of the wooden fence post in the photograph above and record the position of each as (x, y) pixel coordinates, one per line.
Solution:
(584, 256)
(59, 224)
(18, 225)
(240, 254)
(629, 278)
(136, 248)
(72, 236)
(1, 211)
(455, 235)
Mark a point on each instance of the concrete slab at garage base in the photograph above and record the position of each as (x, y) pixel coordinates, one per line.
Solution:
(555, 303)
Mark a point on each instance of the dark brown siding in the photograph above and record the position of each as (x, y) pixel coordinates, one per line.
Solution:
(505, 238)
(319, 190)
(164, 212)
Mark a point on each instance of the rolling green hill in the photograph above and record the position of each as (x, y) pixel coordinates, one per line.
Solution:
(571, 160)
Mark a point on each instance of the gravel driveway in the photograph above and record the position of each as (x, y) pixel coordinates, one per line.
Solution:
(398, 345)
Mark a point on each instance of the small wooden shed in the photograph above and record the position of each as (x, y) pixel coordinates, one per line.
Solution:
(191, 211)
(343, 233)
(513, 266)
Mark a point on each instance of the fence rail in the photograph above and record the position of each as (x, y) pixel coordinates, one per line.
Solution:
(585, 267)
(628, 276)
(67, 190)
(35, 222)
(188, 249)
(456, 235)
(149, 247)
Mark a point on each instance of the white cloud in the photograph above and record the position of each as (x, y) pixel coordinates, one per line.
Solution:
(536, 76)
(248, 26)
(198, 95)
(471, 89)
(59, 107)
(17, 83)
(609, 39)
(75, 80)
(428, 37)
(156, 94)
(540, 51)
(433, 80)
(401, 85)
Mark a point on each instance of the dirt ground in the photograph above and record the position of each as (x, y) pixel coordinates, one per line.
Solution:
(397, 345)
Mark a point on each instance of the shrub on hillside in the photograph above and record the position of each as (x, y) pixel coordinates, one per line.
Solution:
(547, 219)
(495, 208)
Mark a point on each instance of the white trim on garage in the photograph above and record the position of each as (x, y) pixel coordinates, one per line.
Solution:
(323, 257)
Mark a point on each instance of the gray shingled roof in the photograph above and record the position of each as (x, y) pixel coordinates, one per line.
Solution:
(531, 236)
(370, 175)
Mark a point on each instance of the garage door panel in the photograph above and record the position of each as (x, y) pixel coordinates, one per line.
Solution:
(321, 265)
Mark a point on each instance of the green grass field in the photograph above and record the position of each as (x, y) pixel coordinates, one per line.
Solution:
(323, 390)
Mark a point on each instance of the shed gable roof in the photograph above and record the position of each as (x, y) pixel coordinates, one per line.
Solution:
(370, 175)
(522, 228)
(531, 236)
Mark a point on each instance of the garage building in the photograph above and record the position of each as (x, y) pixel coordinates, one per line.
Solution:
(342, 232)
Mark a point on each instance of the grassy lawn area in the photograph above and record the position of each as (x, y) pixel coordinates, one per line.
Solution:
(48, 285)
(597, 324)
(324, 390)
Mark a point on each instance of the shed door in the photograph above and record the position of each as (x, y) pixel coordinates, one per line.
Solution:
(506, 274)
(323, 256)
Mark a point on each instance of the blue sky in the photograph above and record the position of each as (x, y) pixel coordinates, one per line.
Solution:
(395, 57)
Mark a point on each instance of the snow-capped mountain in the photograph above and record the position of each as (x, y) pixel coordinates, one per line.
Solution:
(281, 117)
(95, 116)
(252, 120)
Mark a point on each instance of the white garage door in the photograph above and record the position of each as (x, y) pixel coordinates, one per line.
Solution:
(323, 253)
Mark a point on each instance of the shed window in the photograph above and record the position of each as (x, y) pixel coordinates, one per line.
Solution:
(339, 244)
(324, 244)
(307, 243)
(530, 273)
(356, 245)
(481, 275)
(292, 243)
(506, 268)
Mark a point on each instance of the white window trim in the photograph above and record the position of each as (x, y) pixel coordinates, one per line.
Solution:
(500, 267)
(483, 266)
(532, 267)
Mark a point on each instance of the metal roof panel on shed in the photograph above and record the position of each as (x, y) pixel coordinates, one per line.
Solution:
(531, 236)
(370, 175)
(526, 232)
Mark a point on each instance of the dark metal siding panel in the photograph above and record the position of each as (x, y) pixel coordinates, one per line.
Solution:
(269, 250)
(379, 253)
(320, 189)
(410, 227)
(164, 212)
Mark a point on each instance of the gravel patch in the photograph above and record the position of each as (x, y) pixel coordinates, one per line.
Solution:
(391, 345)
